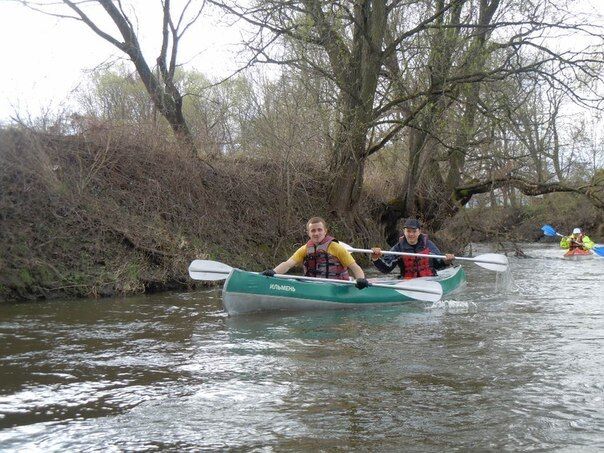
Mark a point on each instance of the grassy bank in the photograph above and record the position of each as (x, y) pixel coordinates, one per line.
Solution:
(121, 213)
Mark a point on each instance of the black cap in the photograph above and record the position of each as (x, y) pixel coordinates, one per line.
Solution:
(412, 223)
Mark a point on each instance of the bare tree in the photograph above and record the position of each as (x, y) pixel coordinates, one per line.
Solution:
(160, 84)
(453, 146)
(350, 36)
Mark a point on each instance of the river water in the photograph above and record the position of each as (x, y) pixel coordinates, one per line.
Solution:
(514, 362)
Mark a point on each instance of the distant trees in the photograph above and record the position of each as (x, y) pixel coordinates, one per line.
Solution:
(342, 42)
(116, 94)
(217, 115)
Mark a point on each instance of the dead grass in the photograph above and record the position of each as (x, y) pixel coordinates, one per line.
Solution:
(111, 211)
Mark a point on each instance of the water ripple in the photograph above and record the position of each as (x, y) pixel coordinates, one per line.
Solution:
(512, 363)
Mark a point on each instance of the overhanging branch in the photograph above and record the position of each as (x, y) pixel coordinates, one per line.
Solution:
(594, 191)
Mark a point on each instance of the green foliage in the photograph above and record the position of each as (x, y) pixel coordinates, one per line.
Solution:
(217, 115)
(117, 94)
(133, 271)
(25, 276)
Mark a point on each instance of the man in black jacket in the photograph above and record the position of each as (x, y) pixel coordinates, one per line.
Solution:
(412, 241)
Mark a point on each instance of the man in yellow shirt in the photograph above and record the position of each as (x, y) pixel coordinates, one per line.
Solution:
(322, 256)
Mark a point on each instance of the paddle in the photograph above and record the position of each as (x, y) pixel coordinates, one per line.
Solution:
(424, 290)
(549, 230)
(209, 271)
(492, 261)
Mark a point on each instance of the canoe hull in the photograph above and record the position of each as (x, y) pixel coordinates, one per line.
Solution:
(247, 292)
(577, 255)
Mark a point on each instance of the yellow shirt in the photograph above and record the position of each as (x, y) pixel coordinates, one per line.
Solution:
(336, 249)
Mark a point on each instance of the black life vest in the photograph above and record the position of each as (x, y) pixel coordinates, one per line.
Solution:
(319, 263)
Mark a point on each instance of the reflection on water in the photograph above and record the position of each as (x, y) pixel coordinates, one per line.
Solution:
(511, 363)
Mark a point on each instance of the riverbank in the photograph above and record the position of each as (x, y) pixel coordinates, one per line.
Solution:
(91, 215)
(117, 212)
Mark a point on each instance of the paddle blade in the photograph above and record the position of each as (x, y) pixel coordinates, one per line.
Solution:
(492, 261)
(209, 270)
(549, 230)
(424, 290)
(599, 250)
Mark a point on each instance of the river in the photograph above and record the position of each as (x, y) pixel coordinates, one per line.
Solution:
(514, 362)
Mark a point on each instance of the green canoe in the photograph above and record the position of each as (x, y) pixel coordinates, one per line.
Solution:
(249, 292)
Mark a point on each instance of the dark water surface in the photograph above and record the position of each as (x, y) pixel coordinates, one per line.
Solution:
(511, 363)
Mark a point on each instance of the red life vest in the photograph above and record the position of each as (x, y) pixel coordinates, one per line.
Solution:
(319, 263)
(415, 266)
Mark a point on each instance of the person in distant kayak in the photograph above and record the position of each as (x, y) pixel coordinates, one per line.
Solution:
(577, 240)
(322, 256)
(412, 241)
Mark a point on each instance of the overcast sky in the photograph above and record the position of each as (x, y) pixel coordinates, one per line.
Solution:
(45, 58)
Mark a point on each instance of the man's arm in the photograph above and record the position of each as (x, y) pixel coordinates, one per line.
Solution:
(294, 260)
(588, 243)
(385, 263)
(384, 267)
(356, 270)
(346, 259)
(285, 266)
(439, 263)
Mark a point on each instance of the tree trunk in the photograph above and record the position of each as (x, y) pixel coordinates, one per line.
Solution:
(356, 71)
(426, 194)
(347, 168)
(347, 159)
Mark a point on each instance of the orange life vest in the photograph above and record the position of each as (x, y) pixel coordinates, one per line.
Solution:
(415, 266)
(577, 243)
